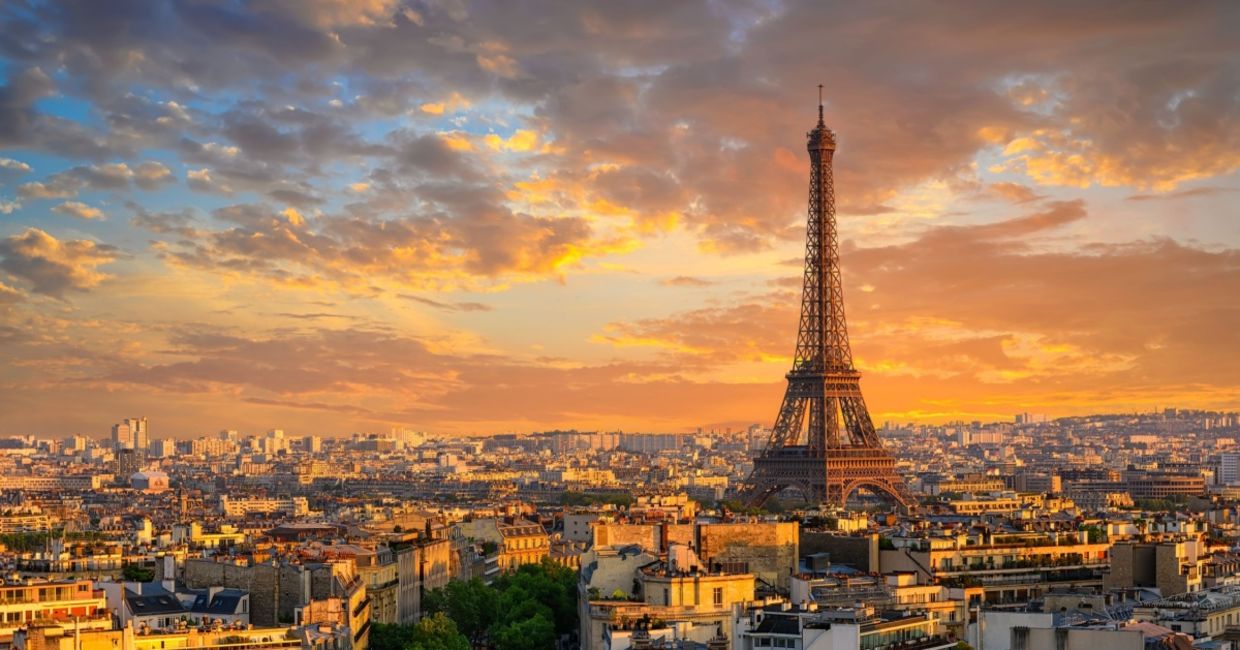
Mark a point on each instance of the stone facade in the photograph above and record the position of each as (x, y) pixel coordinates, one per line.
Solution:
(768, 550)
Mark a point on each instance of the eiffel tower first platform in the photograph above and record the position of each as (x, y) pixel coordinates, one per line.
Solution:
(823, 444)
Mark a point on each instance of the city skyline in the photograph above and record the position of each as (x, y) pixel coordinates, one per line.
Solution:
(331, 219)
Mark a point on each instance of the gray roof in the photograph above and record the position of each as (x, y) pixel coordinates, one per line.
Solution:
(224, 602)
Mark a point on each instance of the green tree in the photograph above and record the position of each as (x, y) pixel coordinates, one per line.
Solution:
(623, 499)
(137, 573)
(24, 542)
(390, 636)
(437, 632)
(527, 608)
(470, 604)
(1093, 533)
(534, 633)
(550, 584)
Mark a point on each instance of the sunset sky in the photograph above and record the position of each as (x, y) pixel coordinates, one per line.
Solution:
(464, 217)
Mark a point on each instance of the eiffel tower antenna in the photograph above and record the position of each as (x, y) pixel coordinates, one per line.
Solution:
(820, 122)
(823, 444)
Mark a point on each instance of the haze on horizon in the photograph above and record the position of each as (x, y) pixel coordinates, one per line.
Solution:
(331, 216)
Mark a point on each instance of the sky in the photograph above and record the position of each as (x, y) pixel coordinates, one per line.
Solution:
(333, 216)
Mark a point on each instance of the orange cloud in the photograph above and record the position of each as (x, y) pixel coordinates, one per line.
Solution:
(52, 266)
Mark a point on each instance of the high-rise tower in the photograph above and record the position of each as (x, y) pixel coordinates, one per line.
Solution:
(823, 444)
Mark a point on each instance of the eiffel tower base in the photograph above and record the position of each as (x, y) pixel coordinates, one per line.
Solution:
(828, 477)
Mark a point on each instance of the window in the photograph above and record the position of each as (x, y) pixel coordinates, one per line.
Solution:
(667, 597)
(718, 596)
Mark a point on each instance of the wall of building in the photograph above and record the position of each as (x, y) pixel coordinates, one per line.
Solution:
(263, 581)
(1075, 639)
(769, 550)
(698, 591)
(858, 552)
(647, 536)
(609, 571)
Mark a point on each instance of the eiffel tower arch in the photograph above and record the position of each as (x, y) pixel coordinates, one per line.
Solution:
(824, 444)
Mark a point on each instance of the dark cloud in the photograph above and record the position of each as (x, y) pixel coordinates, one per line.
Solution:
(17, 114)
(696, 106)
(114, 177)
(182, 222)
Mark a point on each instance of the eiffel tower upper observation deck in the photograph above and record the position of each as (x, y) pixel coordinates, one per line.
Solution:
(823, 444)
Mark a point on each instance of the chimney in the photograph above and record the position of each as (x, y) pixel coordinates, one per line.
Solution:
(169, 572)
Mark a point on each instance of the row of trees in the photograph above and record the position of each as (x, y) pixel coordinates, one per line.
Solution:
(527, 609)
(435, 632)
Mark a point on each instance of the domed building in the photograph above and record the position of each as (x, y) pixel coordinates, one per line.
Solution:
(150, 481)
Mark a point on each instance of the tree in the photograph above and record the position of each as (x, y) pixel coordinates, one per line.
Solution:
(390, 636)
(470, 604)
(550, 584)
(623, 499)
(527, 608)
(1093, 533)
(534, 633)
(23, 542)
(437, 632)
(137, 573)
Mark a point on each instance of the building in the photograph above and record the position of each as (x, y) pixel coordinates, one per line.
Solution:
(523, 542)
(517, 542)
(21, 520)
(43, 637)
(239, 508)
(1228, 468)
(122, 437)
(59, 603)
(157, 606)
(150, 481)
(75, 483)
(1170, 566)
(1200, 615)
(338, 595)
(891, 592)
(1010, 567)
(681, 599)
(131, 434)
(163, 448)
(379, 569)
(969, 483)
(769, 550)
(996, 630)
(128, 463)
(858, 627)
(578, 526)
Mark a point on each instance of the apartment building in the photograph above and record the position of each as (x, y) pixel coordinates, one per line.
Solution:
(1011, 567)
(63, 603)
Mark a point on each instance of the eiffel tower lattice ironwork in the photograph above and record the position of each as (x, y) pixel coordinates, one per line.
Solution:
(823, 444)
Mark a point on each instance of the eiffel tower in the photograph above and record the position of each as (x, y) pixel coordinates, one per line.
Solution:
(837, 451)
